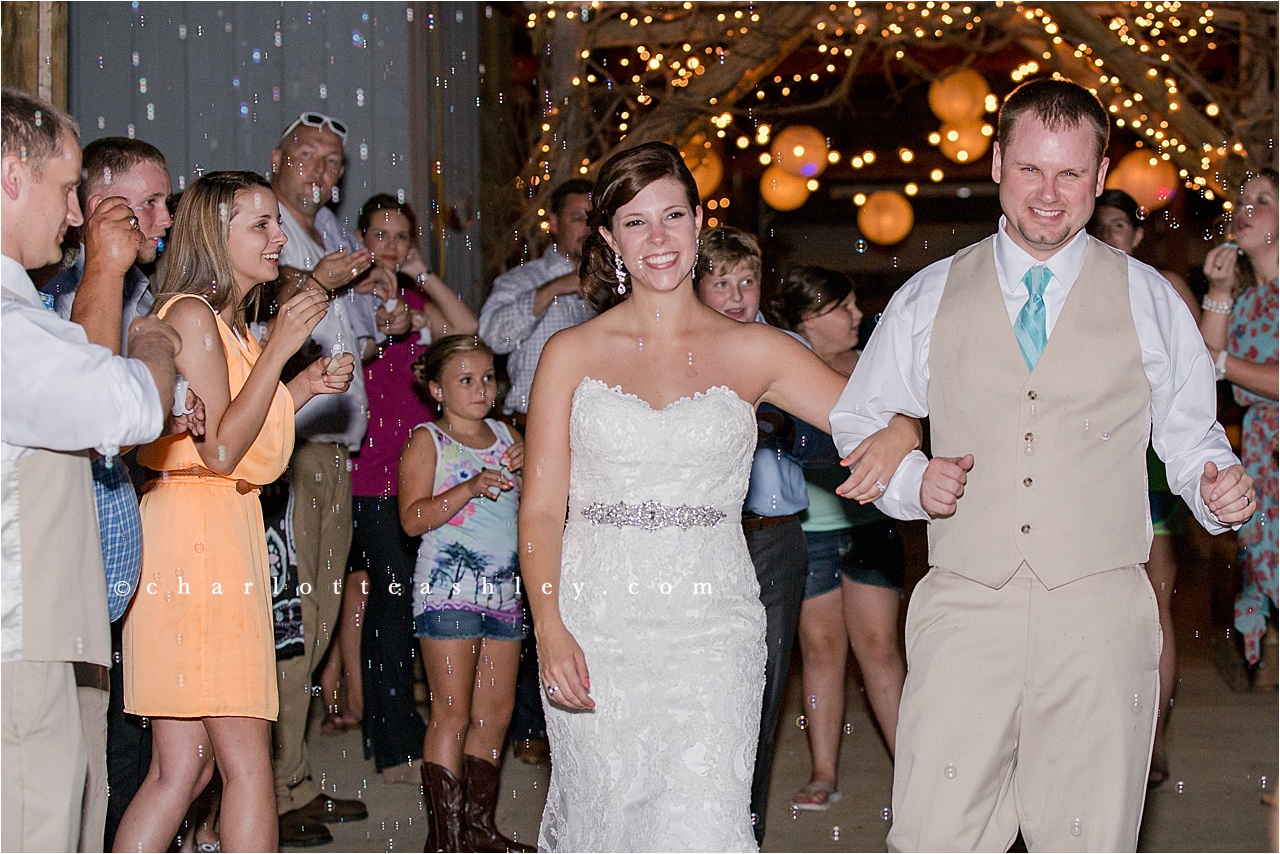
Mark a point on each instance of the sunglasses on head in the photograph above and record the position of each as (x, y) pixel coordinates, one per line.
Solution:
(317, 120)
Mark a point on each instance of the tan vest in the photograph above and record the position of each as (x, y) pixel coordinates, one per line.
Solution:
(1059, 477)
(64, 592)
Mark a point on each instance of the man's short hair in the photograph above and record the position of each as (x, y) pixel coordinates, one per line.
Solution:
(33, 128)
(1060, 104)
(114, 155)
(573, 187)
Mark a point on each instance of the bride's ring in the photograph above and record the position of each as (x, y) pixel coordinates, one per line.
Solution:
(551, 690)
(880, 486)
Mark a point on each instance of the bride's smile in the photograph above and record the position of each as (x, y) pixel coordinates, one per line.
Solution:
(656, 235)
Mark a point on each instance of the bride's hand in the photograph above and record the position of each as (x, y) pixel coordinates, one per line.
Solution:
(877, 457)
(564, 670)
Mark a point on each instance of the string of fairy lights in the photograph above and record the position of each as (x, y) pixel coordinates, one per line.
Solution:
(1172, 107)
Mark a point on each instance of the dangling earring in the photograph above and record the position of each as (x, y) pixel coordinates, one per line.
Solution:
(621, 273)
(697, 250)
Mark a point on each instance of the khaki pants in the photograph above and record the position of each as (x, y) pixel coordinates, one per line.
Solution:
(93, 720)
(322, 536)
(43, 757)
(1026, 708)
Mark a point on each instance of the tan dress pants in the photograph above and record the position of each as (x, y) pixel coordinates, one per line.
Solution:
(322, 536)
(42, 758)
(93, 720)
(1026, 708)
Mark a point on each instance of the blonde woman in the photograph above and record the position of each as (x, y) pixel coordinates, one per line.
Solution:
(198, 642)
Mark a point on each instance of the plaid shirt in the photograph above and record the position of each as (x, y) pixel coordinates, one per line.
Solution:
(508, 324)
(120, 526)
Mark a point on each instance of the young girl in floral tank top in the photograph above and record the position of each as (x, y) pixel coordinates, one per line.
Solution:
(459, 489)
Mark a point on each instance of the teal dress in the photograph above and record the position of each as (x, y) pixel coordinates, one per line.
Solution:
(1253, 338)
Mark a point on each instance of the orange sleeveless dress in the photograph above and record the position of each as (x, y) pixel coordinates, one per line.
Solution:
(198, 638)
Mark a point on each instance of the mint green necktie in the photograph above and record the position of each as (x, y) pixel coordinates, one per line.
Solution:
(1030, 327)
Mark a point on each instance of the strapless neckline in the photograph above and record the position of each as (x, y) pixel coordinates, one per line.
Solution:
(626, 395)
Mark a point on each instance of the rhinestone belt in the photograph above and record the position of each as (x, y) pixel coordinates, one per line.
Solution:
(652, 515)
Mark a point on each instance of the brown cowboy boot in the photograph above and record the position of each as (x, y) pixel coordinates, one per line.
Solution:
(444, 809)
(480, 833)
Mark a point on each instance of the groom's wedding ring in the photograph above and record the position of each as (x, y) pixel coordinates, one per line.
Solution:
(133, 222)
(880, 486)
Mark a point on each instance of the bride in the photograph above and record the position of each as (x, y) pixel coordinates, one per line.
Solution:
(645, 603)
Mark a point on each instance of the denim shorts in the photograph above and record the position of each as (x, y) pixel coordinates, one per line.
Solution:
(865, 554)
(456, 625)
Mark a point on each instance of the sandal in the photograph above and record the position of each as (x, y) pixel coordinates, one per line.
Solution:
(815, 797)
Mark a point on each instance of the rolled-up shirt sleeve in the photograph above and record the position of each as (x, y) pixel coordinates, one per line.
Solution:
(61, 393)
(1185, 432)
(892, 376)
(506, 318)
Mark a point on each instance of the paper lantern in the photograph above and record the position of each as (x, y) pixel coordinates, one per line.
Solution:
(800, 150)
(886, 217)
(783, 191)
(1152, 185)
(705, 164)
(964, 142)
(959, 97)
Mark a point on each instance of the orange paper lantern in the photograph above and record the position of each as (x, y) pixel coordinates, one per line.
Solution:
(705, 164)
(959, 97)
(1152, 184)
(800, 150)
(964, 142)
(783, 191)
(886, 217)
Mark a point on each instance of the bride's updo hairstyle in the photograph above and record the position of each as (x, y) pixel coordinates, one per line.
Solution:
(621, 179)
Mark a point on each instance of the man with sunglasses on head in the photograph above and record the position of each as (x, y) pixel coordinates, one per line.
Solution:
(306, 166)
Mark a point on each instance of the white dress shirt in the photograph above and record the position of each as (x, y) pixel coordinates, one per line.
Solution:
(60, 393)
(893, 373)
(340, 419)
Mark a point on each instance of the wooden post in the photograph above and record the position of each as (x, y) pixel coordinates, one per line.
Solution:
(34, 52)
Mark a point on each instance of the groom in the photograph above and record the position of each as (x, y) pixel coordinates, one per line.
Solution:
(1044, 360)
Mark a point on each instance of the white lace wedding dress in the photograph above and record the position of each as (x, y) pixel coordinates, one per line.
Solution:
(657, 587)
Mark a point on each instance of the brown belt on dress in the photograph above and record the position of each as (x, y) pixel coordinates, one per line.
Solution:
(243, 487)
(752, 522)
(90, 675)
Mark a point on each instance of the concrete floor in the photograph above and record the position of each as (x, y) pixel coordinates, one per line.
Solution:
(1222, 754)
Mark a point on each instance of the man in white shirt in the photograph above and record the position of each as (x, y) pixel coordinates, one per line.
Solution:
(61, 397)
(306, 166)
(1044, 361)
(123, 180)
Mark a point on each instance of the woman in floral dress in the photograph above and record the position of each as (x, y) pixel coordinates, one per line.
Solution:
(1239, 326)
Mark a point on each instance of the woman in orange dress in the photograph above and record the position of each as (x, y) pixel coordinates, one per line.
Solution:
(198, 641)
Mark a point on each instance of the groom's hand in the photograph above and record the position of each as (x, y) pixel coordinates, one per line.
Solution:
(943, 483)
(1228, 493)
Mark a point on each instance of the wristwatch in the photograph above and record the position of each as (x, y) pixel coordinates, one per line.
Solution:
(1220, 366)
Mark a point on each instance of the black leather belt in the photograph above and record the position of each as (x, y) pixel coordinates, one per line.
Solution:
(752, 522)
(89, 675)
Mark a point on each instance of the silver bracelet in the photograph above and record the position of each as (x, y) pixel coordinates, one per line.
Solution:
(1215, 306)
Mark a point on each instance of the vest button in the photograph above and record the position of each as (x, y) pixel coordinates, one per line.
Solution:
(1029, 438)
(1026, 529)
(1026, 481)
(1032, 395)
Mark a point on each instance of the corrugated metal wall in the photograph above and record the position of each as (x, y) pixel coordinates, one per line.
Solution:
(214, 84)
